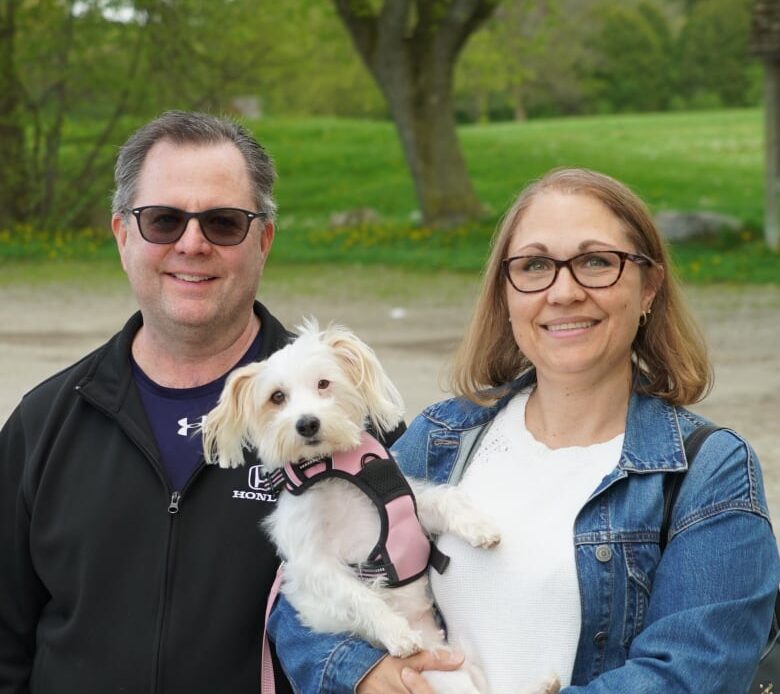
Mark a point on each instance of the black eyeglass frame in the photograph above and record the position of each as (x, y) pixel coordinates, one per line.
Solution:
(250, 217)
(623, 255)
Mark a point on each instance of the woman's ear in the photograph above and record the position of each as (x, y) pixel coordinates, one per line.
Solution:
(654, 279)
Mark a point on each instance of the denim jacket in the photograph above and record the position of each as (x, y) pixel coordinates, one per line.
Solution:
(692, 619)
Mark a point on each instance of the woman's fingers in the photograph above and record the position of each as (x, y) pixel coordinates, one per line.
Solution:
(402, 675)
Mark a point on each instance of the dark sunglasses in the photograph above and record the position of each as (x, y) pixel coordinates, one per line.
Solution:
(222, 226)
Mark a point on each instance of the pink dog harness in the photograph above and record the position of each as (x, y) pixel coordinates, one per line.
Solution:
(403, 551)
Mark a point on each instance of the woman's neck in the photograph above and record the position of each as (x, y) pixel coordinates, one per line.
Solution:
(564, 412)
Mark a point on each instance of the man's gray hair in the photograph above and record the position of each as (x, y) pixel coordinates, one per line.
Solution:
(185, 128)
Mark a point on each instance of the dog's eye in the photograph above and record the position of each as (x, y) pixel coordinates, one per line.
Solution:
(277, 397)
(323, 383)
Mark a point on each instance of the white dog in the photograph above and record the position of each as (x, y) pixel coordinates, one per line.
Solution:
(301, 409)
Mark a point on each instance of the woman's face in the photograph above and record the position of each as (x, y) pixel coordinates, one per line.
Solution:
(568, 331)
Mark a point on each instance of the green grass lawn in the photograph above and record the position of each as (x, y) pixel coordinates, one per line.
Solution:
(704, 160)
(687, 161)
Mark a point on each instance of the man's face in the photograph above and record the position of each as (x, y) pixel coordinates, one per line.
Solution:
(193, 287)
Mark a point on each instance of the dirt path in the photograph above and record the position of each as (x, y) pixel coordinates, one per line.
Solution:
(413, 323)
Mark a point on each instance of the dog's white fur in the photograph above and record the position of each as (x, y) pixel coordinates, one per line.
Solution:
(335, 377)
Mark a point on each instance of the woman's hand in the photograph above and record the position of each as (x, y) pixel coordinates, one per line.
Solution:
(402, 675)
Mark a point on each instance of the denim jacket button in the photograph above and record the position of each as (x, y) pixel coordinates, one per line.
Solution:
(600, 638)
(603, 553)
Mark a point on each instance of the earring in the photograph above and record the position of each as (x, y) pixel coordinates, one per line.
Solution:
(643, 318)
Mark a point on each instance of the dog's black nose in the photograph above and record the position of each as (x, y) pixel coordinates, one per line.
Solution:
(307, 426)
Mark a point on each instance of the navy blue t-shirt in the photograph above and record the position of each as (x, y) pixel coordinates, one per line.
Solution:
(175, 415)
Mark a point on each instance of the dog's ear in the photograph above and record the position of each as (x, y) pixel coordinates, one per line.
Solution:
(384, 402)
(226, 426)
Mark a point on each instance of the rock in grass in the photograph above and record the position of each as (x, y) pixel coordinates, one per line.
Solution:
(681, 226)
(360, 216)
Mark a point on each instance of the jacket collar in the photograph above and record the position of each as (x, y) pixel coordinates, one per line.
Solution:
(653, 441)
(109, 384)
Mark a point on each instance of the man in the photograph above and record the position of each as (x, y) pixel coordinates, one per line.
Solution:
(127, 564)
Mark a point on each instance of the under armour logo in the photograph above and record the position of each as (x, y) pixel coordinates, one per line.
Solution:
(185, 425)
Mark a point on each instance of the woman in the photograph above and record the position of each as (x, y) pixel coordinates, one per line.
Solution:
(570, 382)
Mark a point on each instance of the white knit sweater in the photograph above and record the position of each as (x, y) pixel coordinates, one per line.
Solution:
(516, 608)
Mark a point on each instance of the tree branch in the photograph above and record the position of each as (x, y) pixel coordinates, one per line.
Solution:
(361, 23)
(84, 179)
(461, 20)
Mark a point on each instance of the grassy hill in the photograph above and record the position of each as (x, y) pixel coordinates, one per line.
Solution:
(708, 160)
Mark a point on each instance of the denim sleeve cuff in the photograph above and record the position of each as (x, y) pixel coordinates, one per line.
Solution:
(351, 656)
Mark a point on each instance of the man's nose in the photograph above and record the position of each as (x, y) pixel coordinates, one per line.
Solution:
(193, 240)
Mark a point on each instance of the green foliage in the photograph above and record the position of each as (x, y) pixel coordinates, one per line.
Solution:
(605, 56)
(685, 161)
(115, 63)
(309, 66)
(500, 60)
(632, 72)
(714, 64)
(26, 242)
(76, 76)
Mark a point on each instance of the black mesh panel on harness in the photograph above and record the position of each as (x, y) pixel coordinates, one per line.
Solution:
(403, 551)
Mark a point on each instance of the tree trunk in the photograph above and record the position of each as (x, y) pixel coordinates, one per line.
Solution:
(13, 169)
(520, 113)
(48, 203)
(772, 208)
(421, 106)
(413, 66)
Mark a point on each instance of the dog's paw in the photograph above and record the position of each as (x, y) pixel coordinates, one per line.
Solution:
(478, 531)
(228, 463)
(552, 685)
(403, 643)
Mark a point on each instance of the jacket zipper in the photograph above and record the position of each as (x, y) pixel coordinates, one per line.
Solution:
(173, 509)
(173, 506)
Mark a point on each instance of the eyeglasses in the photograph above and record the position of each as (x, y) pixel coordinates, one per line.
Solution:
(592, 270)
(222, 226)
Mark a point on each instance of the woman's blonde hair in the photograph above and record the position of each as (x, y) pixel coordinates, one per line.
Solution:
(669, 350)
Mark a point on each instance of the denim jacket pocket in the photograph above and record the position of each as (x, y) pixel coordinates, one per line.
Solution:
(641, 559)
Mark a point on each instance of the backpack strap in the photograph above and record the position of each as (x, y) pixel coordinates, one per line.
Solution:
(692, 444)
(672, 481)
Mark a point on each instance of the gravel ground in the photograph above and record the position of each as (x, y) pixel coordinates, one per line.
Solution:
(413, 323)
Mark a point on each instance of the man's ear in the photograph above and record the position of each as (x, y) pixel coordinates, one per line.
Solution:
(267, 237)
(119, 229)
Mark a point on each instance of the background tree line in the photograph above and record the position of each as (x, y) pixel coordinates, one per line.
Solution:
(77, 75)
(563, 57)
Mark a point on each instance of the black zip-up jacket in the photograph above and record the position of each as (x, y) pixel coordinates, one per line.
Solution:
(110, 581)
